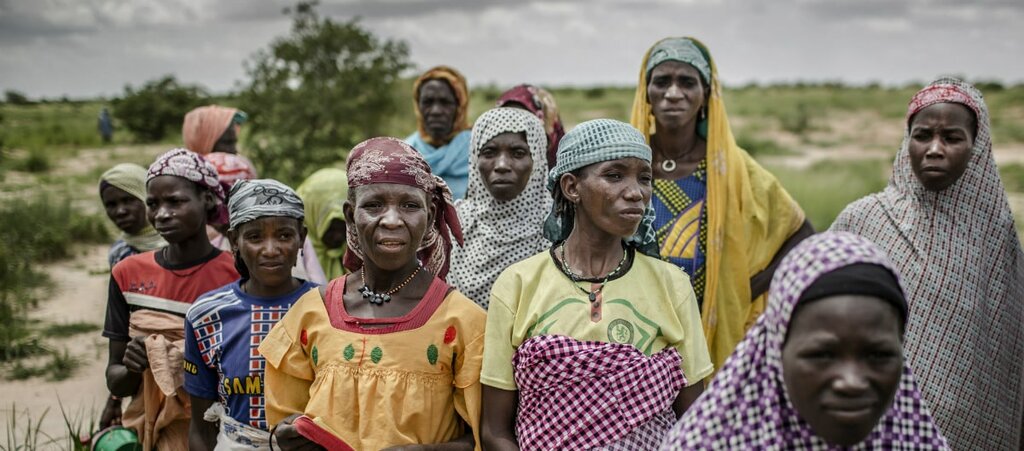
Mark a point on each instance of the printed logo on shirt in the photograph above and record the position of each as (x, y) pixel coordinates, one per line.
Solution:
(250, 385)
(190, 367)
(620, 331)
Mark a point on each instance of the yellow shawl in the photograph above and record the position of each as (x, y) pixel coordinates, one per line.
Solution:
(750, 216)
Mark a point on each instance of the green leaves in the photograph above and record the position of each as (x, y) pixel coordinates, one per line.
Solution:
(317, 92)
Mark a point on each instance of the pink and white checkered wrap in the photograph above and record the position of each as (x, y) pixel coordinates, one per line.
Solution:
(587, 394)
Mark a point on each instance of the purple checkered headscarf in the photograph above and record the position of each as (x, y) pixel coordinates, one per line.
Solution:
(746, 406)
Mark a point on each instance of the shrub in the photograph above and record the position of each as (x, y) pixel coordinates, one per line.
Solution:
(317, 92)
(158, 108)
(16, 97)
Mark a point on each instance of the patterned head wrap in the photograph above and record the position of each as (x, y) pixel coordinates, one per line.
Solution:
(593, 142)
(231, 167)
(131, 178)
(682, 50)
(498, 234)
(191, 166)
(390, 160)
(963, 265)
(458, 84)
(542, 104)
(747, 407)
(254, 199)
(204, 126)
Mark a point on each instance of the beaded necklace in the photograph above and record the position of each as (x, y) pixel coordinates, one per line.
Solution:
(591, 295)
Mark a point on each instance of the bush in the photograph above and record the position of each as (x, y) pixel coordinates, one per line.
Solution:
(32, 231)
(317, 92)
(16, 98)
(158, 108)
(825, 189)
(35, 162)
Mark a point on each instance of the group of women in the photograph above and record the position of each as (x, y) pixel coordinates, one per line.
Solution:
(508, 285)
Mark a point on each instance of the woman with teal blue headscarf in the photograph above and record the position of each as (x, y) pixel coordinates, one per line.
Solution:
(720, 216)
(597, 318)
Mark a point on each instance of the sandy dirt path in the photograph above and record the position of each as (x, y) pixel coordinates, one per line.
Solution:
(79, 295)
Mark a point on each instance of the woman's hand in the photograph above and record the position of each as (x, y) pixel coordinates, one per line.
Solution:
(136, 359)
(288, 437)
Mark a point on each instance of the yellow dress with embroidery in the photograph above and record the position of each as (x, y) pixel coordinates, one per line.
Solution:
(417, 382)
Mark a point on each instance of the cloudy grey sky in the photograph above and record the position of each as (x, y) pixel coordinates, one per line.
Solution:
(94, 47)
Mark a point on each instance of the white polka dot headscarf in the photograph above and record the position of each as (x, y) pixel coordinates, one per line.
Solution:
(498, 234)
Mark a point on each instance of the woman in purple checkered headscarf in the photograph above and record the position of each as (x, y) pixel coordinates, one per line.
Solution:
(823, 367)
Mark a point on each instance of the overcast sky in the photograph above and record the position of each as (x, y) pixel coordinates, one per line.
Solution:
(84, 48)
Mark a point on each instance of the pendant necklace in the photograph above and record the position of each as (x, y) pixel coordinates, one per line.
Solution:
(668, 165)
(591, 295)
(375, 298)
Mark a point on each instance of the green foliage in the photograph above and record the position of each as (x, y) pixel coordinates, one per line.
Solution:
(1012, 175)
(760, 146)
(35, 162)
(826, 188)
(68, 329)
(25, 436)
(33, 231)
(157, 109)
(317, 92)
(16, 97)
(50, 129)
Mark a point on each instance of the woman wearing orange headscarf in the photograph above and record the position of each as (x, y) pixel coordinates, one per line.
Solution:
(443, 132)
(212, 128)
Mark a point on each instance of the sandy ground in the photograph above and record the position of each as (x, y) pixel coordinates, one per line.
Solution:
(79, 295)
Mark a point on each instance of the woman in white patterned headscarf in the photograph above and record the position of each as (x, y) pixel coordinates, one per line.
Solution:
(503, 213)
(946, 222)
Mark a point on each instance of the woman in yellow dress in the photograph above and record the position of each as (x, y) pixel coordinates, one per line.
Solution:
(388, 355)
(720, 216)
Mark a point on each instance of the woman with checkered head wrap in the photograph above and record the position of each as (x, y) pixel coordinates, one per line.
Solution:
(223, 325)
(945, 220)
(823, 367)
(594, 343)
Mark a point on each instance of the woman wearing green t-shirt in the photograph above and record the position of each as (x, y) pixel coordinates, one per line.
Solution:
(596, 342)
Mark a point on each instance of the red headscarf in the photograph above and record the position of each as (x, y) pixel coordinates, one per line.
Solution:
(542, 104)
(389, 160)
(231, 167)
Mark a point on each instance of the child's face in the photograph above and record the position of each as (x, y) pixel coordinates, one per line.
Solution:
(269, 247)
(125, 210)
(177, 208)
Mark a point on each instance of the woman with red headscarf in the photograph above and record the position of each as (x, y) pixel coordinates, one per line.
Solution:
(542, 104)
(388, 355)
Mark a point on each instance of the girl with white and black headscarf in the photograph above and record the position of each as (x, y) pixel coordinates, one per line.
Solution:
(507, 149)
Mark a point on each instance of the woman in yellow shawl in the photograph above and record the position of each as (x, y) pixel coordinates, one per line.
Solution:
(719, 215)
(323, 194)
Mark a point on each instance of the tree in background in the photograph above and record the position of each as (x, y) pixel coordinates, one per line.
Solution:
(16, 97)
(157, 109)
(317, 92)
